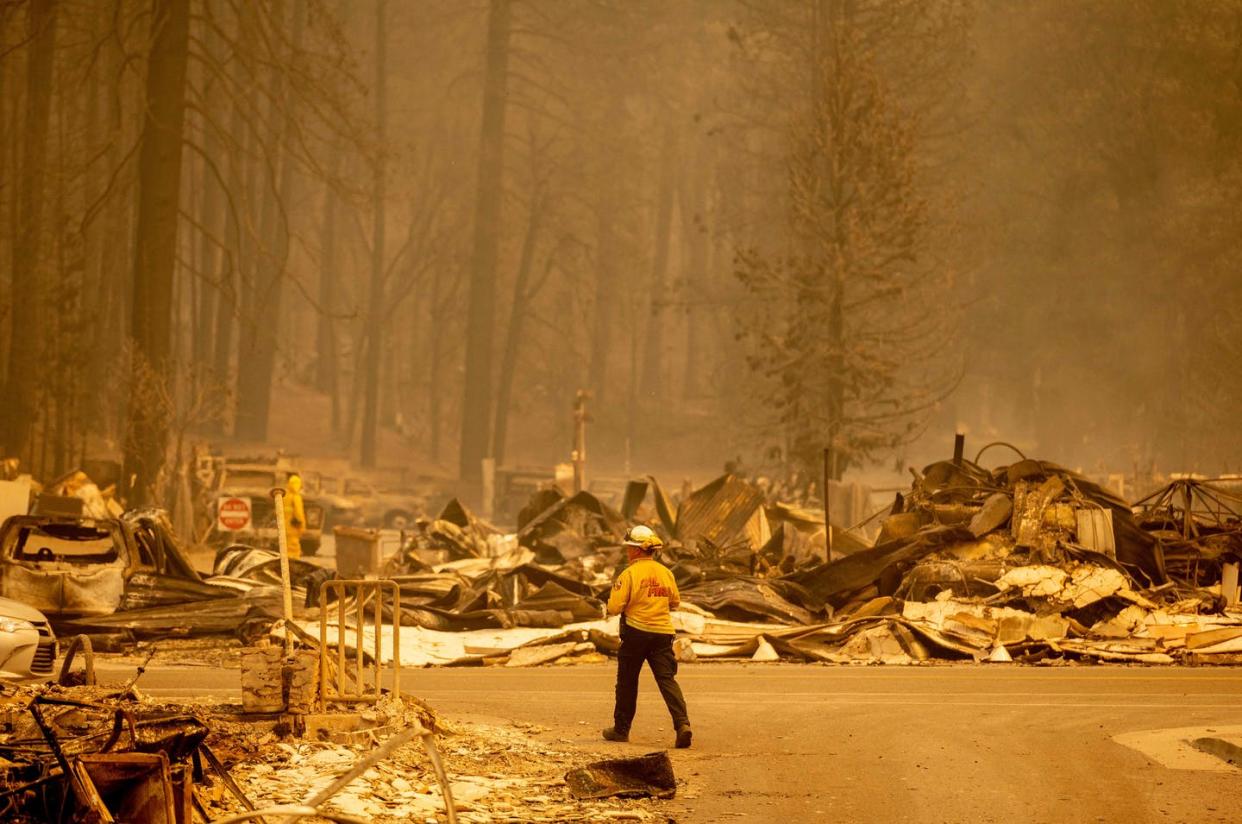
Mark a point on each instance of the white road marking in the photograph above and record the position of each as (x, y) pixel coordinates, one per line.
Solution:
(823, 699)
(1171, 747)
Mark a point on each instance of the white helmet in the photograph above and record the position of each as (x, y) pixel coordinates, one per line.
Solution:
(643, 537)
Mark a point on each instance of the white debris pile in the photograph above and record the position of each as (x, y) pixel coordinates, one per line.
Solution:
(497, 774)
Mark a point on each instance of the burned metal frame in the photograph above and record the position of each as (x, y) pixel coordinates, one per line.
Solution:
(363, 590)
(1195, 501)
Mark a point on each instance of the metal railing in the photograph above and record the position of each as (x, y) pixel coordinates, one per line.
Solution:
(332, 681)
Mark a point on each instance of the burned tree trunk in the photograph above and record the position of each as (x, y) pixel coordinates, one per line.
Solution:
(155, 252)
(326, 366)
(17, 404)
(513, 339)
(375, 299)
(478, 395)
(694, 231)
(257, 368)
(435, 371)
(213, 220)
(653, 354)
(605, 283)
(227, 305)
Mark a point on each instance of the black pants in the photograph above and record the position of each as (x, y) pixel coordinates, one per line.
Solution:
(656, 649)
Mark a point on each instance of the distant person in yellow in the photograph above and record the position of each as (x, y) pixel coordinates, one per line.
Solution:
(295, 517)
(644, 595)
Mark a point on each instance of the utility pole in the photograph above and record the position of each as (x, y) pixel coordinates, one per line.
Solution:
(581, 418)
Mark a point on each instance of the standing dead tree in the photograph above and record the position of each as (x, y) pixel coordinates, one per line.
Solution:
(17, 403)
(159, 197)
(477, 404)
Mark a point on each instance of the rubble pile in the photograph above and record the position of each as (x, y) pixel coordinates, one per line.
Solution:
(498, 774)
(1028, 562)
(95, 753)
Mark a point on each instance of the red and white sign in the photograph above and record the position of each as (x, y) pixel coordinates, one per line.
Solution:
(232, 514)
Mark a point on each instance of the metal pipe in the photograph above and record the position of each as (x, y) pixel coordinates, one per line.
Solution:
(360, 646)
(340, 639)
(379, 623)
(396, 639)
(278, 497)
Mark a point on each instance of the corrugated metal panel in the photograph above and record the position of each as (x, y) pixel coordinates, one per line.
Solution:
(720, 511)
(758, 530)
(1095, 531)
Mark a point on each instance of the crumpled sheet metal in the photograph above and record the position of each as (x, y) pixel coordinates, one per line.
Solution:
(980, 577)
(831, 583)
(246, 587)
(214, 617)
(751, 599)
(422, 647)
(560, 528)
(724, 512)
(647, 775)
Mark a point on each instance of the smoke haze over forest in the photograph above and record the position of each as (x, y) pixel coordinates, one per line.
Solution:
(410, 231)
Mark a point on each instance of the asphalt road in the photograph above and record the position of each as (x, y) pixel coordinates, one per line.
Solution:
(795, 743)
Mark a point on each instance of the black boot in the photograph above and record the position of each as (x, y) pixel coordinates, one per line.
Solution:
(613, 734)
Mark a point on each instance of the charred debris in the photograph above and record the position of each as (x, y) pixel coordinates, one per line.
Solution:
(84, 753)
(1028, 562)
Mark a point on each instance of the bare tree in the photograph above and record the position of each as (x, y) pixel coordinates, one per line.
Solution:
(375, 312)
(477, 404)
(159, 198)
(18, 403)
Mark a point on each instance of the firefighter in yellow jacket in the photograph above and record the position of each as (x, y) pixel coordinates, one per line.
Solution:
(643, 595)
(295, 517)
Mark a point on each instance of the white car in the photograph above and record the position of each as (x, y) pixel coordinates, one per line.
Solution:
(27, 643)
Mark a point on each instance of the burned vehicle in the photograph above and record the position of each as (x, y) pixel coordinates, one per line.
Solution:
(78, 567)
(27, 643)
(244, 512)
(370, 505)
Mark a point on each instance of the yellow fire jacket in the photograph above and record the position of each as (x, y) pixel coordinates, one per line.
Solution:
(646, 593)
(295, 517)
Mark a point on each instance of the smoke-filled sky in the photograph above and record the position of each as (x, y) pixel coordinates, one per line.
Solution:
(410, 232)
